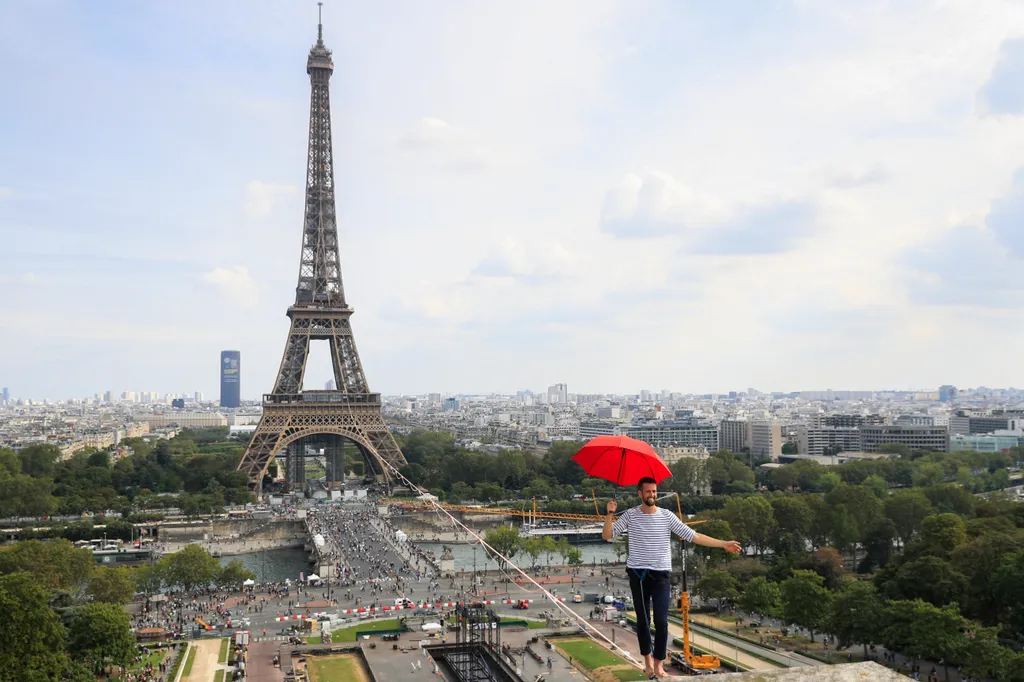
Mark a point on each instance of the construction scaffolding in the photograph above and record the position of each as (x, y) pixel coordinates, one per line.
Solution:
(475, 656)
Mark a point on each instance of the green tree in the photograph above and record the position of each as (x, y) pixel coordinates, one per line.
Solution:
(101, 634)
(112, 585)
(752, 520)
(31, 634)
(806, 601)
(790, 448)
(929, 578)
(150, 578)
(941, 534)
(921, 630)
(828, 563)
(760, 596)
(233, 574)
(856, 615)
(907, 511)
(792, 515)
(877, 485)
(534, 547)
(56, 564)
(718, 585)
(190, 568)
(505, 540)
(39, 461)
(575, 557)
(621, 547)
(689, 476)
(1008, 587)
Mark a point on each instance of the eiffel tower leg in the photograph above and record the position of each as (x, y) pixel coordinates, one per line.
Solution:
(262, 448)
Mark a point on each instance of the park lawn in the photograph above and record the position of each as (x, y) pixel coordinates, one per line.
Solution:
(588, 654)
(153, 657)
(629, 674)
(313, 640)
(335, 669)
(189, 661)
(349, 634)
(223, 656)
(531, 624)
(218, 676)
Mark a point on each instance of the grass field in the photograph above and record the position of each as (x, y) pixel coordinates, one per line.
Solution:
(588, 654)
(218, 676)
(335, 669)
(223, 656)
(629, 674)
(189, 661)
(313, 640)
(530, 623)
(349, 634)
(154, 657)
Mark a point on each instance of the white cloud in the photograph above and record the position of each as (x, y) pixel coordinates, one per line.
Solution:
(514, 257)
(262, 197)
(448, 147)
(235, 283)
(6, 192)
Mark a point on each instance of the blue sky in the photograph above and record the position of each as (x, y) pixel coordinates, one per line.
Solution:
(614, 194)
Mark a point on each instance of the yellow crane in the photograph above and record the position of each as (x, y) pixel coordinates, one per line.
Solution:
(695, 661)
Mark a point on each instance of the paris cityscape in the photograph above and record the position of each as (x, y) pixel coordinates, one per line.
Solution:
(532, 227)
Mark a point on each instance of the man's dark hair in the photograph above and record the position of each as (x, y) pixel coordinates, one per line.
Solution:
(644, 481)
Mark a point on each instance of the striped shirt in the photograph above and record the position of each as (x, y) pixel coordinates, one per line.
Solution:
(649, 536)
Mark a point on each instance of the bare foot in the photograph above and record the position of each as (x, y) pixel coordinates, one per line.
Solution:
(659, 671)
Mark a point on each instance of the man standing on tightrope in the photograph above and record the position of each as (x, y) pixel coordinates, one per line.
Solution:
(649, 566)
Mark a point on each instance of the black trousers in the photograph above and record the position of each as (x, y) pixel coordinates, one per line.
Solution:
(651, 590)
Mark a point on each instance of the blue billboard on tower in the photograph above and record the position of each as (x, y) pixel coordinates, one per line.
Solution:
(230, 369)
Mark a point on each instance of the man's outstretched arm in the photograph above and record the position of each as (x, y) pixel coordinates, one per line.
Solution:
(730, 546)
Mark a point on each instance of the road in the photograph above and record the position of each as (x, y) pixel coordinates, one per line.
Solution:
(727, 645)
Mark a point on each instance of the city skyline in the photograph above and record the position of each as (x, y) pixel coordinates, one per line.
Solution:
(198, 396)
(860, 229)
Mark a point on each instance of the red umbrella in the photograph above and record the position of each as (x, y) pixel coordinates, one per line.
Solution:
(621, 460)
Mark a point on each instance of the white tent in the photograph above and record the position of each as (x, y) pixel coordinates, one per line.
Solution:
(318, 540)
(427, 497)
(312, 577)
(431, 627)
(249, 583)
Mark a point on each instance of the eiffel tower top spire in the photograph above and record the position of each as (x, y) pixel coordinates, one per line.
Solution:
(319, 267)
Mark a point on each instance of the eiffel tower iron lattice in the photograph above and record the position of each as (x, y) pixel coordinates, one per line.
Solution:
(320, 313)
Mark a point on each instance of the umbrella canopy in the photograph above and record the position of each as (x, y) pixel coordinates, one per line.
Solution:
(621, 460)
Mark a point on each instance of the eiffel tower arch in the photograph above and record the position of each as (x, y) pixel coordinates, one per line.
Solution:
(320, 313)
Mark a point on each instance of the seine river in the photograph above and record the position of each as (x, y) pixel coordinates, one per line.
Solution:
(463, 554)
(275, 565)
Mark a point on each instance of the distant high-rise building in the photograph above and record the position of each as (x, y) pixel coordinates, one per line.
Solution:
(735, 435)
(197, 397)
(558, 393)
(947, 394)
(765, 439)
(178, 403)
(230, 377)
(108, 397)
(329, 385)
(6, 394)
(451, 404)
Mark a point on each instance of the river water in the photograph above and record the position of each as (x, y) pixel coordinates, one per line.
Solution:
(464, 555)
(274, 565)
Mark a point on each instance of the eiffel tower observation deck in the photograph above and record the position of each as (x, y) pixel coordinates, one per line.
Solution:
(296, 424)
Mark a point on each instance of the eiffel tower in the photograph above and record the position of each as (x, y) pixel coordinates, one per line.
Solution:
(293, 417)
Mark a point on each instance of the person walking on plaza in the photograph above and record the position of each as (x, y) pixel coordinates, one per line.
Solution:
(650, 529)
